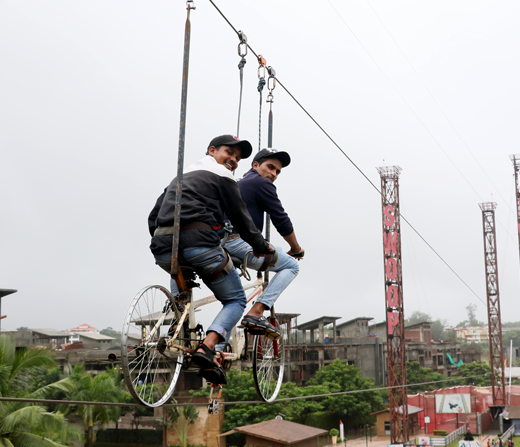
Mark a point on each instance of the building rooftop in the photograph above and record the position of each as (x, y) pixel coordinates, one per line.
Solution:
(282, 431)
(354, 319)
(95, 336)
(315, 324)
(411, 410)
(50, 332)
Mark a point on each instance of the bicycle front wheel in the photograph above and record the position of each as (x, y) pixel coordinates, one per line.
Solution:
(268, 366)
(150, 367)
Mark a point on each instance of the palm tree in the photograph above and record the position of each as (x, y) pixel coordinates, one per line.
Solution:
(26, 424)
(101, 388)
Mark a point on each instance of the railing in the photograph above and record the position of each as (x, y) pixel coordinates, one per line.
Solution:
(461, 431)
(509, 433)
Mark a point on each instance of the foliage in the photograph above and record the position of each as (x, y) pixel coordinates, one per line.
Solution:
(471, 309)
(334, 432)
(508, 336)
(299, 410)
(440, 432)
(24, 424)
(342, 377)
(181, 421)
(104, 387)
(415, 373)
(470, 370)
(22, 328)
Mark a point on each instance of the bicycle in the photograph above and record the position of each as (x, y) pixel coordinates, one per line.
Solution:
(160, 334)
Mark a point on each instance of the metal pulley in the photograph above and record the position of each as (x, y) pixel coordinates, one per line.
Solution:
(242, 46)
(190, 5)
(271, 84)
(214, 404)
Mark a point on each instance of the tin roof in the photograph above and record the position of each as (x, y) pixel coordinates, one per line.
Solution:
(282, 431)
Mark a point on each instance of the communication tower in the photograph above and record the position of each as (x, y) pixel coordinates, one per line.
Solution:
(496, 353)
(396, 353)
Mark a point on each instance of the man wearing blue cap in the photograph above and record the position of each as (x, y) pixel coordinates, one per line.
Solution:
(260, 195)
(209, 190)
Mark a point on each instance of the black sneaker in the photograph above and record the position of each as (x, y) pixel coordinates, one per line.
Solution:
(260, 326)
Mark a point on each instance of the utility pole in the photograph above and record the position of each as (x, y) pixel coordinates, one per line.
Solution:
(396, 353)
(496, 353)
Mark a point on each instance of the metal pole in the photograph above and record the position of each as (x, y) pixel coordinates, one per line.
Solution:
(182, 133)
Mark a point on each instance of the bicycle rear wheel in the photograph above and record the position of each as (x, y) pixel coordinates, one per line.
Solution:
(268, 366)
(150, 368)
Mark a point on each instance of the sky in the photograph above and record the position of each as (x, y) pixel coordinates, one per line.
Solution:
(89, 126)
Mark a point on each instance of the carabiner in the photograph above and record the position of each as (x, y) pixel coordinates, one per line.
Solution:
(242, 46)
(271, 83)
(261, 66)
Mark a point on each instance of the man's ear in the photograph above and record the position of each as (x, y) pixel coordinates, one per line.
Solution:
(255, 165)
(212, 150)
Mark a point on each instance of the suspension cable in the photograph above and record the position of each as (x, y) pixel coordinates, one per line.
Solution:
(354, 164)
(242, 52)
(192, 404)
(260, 88)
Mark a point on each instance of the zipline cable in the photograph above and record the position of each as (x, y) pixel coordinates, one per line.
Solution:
(260, 88)
(192, 404)
(354, 164)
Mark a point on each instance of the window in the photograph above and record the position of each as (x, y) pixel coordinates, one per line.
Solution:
(351, 362)
(387, 427)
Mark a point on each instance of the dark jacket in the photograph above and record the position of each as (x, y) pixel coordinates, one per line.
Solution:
(208, 191)
(261, 197)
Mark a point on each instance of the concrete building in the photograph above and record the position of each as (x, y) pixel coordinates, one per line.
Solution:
(93, 340)
(49, 338)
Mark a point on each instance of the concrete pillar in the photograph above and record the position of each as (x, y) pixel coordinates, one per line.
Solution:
(321, 332)
(334, 329)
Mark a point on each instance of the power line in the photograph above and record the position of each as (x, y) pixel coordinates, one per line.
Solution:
(417, 116)
(192, 404)
(349, 159)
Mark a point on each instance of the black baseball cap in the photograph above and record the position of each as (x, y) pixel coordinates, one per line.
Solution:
(230, 140)
(284, 157)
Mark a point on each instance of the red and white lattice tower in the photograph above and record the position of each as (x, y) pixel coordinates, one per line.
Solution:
(396, 353)
(516, 164)
(496, 353)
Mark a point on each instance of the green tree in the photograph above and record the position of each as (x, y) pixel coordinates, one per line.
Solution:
(417, 317)
(339, 376)
(470, 370)
(508, 336)
(415, 373)
(23, 424)
(101, 388)
(299, 410)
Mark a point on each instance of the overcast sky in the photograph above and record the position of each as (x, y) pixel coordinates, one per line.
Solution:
(89, 123)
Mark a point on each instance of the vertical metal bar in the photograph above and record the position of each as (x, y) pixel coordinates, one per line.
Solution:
(182, 132)
(270, 130)
(516, 164)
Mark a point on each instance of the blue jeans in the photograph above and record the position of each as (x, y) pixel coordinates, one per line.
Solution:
(286, 269)
(227, 287)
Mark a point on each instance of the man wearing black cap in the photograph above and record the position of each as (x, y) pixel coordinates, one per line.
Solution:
(209, 190)
(260, 196)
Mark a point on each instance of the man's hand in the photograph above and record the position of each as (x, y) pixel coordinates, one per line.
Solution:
(298, 255)
(261, 255)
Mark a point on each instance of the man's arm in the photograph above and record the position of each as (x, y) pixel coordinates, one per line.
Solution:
(236, 211)
(296, 250)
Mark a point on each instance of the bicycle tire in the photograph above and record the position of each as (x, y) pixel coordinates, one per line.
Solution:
(268, 366)
(150, 371)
